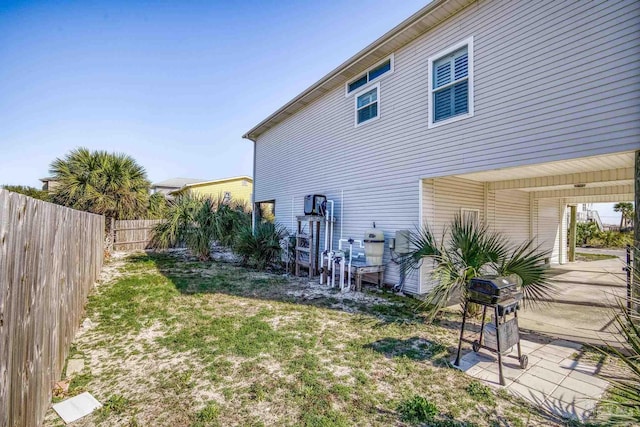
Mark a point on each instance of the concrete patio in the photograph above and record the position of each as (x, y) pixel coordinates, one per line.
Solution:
(553, 379)
(581, 310)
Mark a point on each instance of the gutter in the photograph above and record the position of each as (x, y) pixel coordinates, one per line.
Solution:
(389, 35)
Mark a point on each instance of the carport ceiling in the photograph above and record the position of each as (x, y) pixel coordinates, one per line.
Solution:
(618, 161)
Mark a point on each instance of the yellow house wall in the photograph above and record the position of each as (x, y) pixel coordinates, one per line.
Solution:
(238, 191)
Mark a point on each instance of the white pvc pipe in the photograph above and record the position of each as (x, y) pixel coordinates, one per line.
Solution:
(341, 211)
(342, 275)
(350, 258)
(330, 262)
(293, 227)
(331, 225)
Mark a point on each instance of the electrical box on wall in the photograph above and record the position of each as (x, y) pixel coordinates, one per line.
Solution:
(401, 242)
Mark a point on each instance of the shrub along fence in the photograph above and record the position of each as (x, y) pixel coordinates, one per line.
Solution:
(50, 257)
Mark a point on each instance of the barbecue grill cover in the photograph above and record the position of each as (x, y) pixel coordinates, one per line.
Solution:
(491, 289)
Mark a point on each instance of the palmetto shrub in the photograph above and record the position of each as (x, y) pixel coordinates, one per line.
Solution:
(260, 247)
(623, 406)
(198, 222)
(468, 249)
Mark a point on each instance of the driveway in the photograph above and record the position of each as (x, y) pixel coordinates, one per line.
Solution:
(582, 308)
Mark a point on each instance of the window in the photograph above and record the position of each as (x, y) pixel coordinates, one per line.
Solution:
(472, 214)
(367, 105)
(227, 197)
(451, 84)
(370, 75)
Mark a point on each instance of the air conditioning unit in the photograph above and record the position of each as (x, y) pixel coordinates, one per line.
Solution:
(315, 204)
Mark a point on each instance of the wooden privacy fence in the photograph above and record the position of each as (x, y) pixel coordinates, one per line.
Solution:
(50, 257)
(134, 234)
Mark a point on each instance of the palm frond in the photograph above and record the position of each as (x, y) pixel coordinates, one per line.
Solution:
(528, 263)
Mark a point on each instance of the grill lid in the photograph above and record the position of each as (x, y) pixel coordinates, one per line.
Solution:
(492, 289)
(491, 285)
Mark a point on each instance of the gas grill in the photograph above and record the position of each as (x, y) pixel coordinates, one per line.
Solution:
(492, 290)
(503, 296)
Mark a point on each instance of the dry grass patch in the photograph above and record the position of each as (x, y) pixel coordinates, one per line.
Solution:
(176, 342)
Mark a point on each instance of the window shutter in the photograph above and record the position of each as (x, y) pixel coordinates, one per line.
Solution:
(461, 66)
(442, 104)
(461, 98)
(442, 73)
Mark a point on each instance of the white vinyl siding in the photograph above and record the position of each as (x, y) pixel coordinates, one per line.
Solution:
(512, 215)
(590, 107)
(548, 227)
(443, 198)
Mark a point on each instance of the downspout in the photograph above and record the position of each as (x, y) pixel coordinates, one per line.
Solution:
(253, 196)
(253, 191)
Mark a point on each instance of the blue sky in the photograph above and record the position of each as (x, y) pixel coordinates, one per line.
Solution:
(174, 84)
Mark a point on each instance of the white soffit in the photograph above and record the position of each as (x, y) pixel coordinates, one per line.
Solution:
(564, 167)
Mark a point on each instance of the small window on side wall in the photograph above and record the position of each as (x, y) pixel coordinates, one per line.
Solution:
(367, 105)
(370, 75)
(451, 84)
(470, 214)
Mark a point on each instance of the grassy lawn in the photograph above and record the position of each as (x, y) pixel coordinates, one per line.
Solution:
(174, 342)
(582, 256)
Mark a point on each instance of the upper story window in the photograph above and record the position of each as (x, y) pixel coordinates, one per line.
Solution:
(368, 105)
(371, 74)
(451, 84)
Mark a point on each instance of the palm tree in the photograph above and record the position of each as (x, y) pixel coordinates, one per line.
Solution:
(626, 211)
(469, 249)
(110, 184)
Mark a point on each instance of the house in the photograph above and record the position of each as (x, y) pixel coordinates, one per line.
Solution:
(238, 189)
(49, 184)
(167, 186)
(511, 110)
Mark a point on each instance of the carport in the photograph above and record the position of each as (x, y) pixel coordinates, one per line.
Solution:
(532, 202)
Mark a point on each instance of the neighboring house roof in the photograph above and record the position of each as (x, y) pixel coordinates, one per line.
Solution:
(47, 179)
(412, 27)
(175, 182)
(215, 181)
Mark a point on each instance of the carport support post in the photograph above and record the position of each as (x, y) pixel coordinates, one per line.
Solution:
(636, 230)
(572, 234)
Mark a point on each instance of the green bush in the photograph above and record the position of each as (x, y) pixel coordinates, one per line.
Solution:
(417, 409)
(261, 247)
(197, 222)
(612, 239)
(622, 406)
(29, 191)
(587, 233)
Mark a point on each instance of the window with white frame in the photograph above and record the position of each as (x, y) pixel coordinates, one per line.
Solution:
(367, 105)
(370, 75)
(470, 214)
(451, 84)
